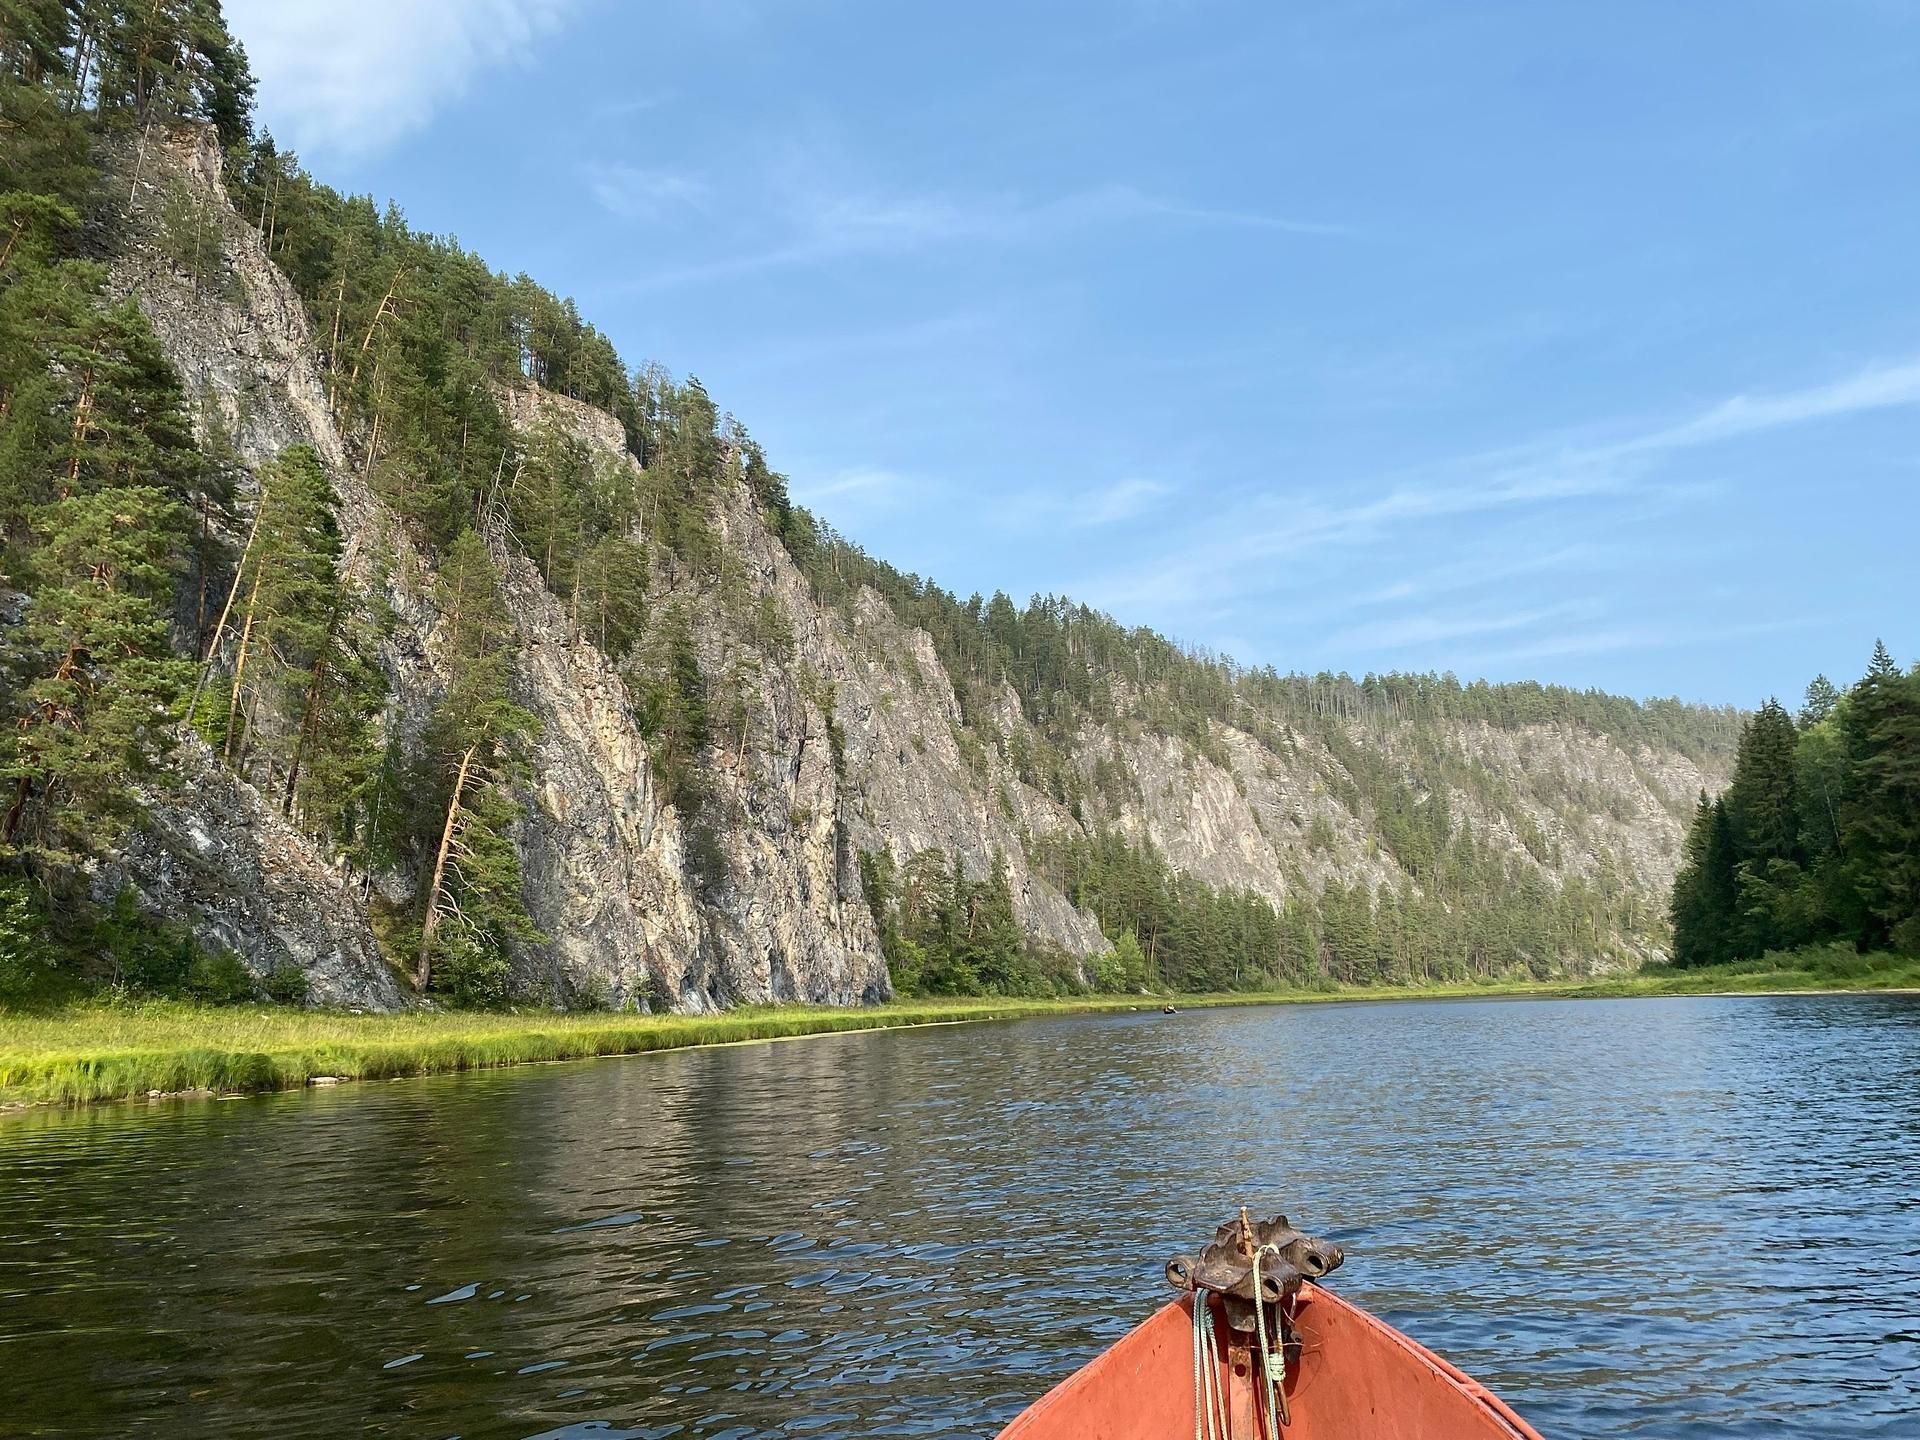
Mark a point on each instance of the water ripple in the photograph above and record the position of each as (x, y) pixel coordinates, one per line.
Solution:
(1639, 1218)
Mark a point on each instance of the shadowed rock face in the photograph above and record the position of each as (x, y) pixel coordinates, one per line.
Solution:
(846, 739)
(216, 853)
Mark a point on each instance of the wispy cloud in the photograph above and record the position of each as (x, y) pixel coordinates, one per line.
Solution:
(1086, 509)
(809, 216)
(634, 193)
(353, 75)
(627, 106)
(1262, 543)
(1610, 639)
(1879, 387)
(1403, 632)
(866, 484)
(1121, 501)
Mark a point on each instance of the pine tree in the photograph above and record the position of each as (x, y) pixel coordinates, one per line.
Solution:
(99, 674)
(472, 903)
(95, 458)
(288, 600)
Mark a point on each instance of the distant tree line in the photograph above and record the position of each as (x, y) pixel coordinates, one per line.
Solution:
(1481, 914)
(1817, 837)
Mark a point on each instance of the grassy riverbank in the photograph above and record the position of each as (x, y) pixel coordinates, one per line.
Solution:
(1818, 968)
(106, 1051)
(103, 1051)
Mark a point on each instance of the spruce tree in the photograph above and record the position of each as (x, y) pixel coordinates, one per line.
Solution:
(1881, 820)
(1719, 889)
(284, 604)
(1763, 811)
(1819, 703)
(1691, 924)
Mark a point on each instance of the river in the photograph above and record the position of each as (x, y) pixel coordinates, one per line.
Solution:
(1668, 1217)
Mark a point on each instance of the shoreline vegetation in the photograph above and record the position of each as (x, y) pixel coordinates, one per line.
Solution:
(107, 1050)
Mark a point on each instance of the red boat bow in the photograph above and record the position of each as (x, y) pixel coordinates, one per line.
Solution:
(1349, 1376)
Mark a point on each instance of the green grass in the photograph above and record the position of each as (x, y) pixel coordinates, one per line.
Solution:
(1820, 967)
(105, 1050)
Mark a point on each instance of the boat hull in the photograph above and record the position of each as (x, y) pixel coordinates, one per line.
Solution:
(1356, 1378)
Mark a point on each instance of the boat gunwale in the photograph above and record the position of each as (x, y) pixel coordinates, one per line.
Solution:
(1505, 1413)
(1497, 1412)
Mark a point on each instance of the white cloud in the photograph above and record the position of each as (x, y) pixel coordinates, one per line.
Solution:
(352, 75)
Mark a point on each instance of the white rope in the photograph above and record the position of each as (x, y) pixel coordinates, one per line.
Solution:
(1208, 1423)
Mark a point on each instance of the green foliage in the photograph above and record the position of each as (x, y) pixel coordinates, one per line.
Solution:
(98, 470)
(470, 971)
(672, 712)
(190, 238)
(474, 748)
(95, 459)
(120, 949)
(1818, 836)
(142, 955)
(1121, 969)
(286, 984)
(944, 933)
(26, 957)
(219, 978)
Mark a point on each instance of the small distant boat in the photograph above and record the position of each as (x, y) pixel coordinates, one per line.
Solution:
(1337, 1371)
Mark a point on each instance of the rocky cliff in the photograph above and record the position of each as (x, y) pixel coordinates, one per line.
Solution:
(843, 735)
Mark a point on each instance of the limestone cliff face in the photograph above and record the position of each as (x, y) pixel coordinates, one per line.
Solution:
(843, 735)
(608, 871)
(604, 857)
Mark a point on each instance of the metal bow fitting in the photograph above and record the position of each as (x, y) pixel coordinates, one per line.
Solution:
(1225, 1265)
(1256, 1268)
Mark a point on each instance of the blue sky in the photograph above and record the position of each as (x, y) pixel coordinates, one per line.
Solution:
(1575, 342)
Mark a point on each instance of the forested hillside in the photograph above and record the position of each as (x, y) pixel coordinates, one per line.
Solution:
(1817, 838)
(371, 629)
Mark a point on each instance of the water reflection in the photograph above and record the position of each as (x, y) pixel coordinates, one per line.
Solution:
(1639, 1217)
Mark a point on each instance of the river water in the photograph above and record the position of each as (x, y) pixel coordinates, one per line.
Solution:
(1652, 1217)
